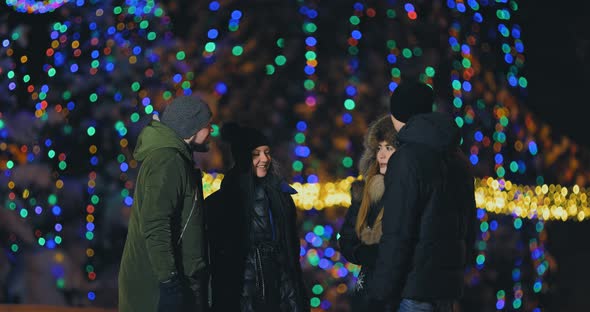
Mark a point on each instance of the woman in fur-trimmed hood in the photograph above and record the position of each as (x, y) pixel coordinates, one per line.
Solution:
(361, 231)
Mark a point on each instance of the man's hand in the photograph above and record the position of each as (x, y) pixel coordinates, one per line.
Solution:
(175, 296)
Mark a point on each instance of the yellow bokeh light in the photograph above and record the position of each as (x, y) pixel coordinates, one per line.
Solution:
(499, 196)
(90, 252)
(59, 257)
(93, 149)
(342, 288)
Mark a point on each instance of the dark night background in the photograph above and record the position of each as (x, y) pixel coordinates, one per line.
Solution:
(558, 63)
(556, 35)
(557, 57)
(558, 67)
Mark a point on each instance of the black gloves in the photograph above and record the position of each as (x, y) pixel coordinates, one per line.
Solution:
(176, 296)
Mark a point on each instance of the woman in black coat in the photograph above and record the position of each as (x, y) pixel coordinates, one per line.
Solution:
(361, 231)
(252, 232)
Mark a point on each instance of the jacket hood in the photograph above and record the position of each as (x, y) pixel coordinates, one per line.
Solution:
(436, 130)
(378, 131)
(156, 135)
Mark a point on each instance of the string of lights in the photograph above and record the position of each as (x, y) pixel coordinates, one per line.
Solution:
(108, 67)
(37, 7)
(300, 165)
(498, 196)
(352, 70)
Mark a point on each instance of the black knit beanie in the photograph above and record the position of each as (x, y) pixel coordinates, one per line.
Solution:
(243, 140)
(186, 115)
(411, 98)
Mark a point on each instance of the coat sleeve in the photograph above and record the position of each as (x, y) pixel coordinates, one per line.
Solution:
(294, 233)
(194, 241)
(215, 238)
(162, 193)
(212, 205)
(400, 229)
(350, 245)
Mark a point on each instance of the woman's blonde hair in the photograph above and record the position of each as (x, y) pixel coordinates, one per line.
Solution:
(361, 219)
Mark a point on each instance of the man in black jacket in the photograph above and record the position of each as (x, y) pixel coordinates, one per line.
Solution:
(429, 209)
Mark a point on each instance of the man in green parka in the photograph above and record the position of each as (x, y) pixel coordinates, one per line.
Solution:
(164, 261)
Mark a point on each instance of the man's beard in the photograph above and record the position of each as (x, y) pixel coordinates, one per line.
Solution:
(199, 148)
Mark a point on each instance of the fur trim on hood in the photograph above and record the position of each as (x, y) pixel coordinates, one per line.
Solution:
(376, 187)
(380, 130)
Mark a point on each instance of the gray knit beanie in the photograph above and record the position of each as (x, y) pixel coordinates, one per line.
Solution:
(186, 115)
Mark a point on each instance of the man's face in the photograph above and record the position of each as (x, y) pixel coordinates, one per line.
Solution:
(199, 141)
(202, 136)
(397, 124)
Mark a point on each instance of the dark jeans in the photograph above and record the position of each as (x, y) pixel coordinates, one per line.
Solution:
(409, 305)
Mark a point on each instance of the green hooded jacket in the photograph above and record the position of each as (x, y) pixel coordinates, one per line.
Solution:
(163, 200)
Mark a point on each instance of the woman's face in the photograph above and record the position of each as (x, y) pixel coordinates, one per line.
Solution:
(261, 160)
(384, 151)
